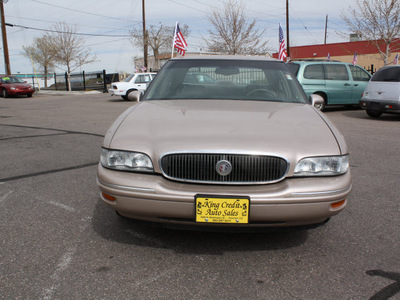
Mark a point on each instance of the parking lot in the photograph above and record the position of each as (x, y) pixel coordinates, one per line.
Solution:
(59, 241)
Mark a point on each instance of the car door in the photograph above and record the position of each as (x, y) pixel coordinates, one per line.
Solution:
(360, 81)
(338, 84)
(312, 79)
(141, 81)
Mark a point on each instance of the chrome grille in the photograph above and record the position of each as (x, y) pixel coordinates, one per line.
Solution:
(201, 168)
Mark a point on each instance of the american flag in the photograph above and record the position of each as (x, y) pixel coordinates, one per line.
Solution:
(282, 46)
(179, 41)
(396, 59)
(355, 58)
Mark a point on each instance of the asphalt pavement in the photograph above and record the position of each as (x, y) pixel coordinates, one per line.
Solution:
(59, 241)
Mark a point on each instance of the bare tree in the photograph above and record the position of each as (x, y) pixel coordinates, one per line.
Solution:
(233, 33)
(70, 49)
(42, 53)
(159, 38)
(377, 21)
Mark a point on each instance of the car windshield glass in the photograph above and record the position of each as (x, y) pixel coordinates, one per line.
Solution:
(129, 78)
(225, 79)
(390, 74)
(11, 80)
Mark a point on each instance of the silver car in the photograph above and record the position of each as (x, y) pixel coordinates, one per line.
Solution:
(382, 94)
(246, 150)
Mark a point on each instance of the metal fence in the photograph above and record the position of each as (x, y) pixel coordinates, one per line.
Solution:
(83, 81)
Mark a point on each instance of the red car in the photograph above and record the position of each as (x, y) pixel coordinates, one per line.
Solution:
(13, 86)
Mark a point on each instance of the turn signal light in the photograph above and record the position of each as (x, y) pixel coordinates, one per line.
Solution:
(338, 204)
(108, 197)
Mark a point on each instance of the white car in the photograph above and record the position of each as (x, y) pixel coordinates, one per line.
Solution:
(382, 94)
(135, 82)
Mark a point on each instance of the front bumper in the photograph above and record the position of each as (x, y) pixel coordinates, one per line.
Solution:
(18, 92)
(292, 202)
(380, 106)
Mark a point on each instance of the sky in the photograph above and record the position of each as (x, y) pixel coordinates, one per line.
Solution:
(106, 25)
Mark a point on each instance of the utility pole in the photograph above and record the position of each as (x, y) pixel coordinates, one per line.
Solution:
(287, 29)
(4, 34)
(326, 28)
(145, 42)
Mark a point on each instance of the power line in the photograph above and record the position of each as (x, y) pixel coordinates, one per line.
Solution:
(82, 12)
(76, 33)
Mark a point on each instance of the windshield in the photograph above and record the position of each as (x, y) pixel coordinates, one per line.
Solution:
(225, 79)
(11, 80)
(129, 78)
(389, 74)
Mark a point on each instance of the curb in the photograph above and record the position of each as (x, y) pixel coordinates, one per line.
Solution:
(61, 93)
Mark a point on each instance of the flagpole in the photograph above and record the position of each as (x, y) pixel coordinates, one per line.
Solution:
(173, 40)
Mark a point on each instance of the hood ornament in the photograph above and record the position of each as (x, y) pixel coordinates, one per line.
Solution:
(223, 167)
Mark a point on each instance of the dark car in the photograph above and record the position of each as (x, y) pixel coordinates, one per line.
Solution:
(13, 86)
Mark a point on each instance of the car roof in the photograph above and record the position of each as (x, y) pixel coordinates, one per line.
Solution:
(317, 61)
(225, 57)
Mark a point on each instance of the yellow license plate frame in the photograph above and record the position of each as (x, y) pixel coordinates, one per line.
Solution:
(221, 209)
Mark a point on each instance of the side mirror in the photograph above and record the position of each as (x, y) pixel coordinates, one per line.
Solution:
(135, 96)
(316, 100)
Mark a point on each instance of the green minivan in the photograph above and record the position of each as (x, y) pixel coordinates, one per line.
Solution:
(336, 82)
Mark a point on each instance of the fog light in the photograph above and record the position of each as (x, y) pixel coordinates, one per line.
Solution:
(108, 197)
(338, 204)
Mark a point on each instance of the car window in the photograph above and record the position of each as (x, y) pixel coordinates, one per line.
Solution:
(143, 79)
(359, 74)
(198, 78)
(390, 74)
(11, 79)
(294, 68)
(230, 79)
(314, 72)
(129, 78)
(336, 72)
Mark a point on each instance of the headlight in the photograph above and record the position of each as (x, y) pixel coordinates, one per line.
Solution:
(126, 161)
(13, 88)
(322, 166)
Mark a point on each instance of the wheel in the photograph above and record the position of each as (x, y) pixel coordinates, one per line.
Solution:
(124, 97)
(29, 95)
(323, 105)
(374, 113)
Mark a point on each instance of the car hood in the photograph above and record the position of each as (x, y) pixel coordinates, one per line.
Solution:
(288, 130)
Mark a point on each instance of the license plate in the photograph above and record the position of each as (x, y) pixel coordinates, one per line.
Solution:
(226, 210)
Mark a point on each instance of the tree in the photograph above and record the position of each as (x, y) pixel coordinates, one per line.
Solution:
(232, 33)
(159, 38)
(41, 53)
(69, 48)
(377, 21)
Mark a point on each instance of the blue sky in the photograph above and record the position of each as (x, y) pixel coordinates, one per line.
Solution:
(115, 53)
